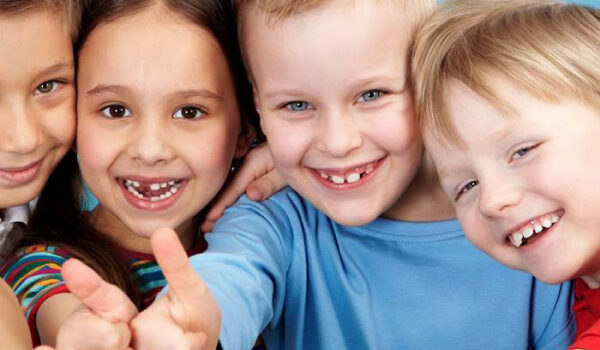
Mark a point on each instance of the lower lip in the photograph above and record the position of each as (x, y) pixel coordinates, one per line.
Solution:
(21, 176)
(147, 204)
(347, 186)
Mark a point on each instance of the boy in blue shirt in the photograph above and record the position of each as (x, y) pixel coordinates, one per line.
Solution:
(362, 251)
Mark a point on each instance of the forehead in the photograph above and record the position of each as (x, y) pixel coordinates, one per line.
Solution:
(146, 51)
(357, 35)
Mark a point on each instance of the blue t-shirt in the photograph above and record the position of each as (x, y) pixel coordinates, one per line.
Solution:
(283, 268)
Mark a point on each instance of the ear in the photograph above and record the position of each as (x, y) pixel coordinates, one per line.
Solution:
(245, 140)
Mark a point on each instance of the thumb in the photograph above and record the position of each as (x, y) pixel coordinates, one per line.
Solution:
(174, 263)
(104, 299)
(265, 186)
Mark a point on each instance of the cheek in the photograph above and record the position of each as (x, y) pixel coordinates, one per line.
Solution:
(287, 143)
(97, 148)
(60, 125)
(210, 152)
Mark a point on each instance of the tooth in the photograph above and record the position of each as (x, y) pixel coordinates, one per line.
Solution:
(155, 187)
(128, 182)
(323, 175)
(527, 232)
(171, 183)
(162, 196)
(537, 227)
(174, 189)
(168, 194)
(369, 169)
(554, 218)
(516, 239)
(337, 179)
(155, 199)
(139, 195)
(546, 222)
(136, 184)
(352, 178)
(163, 185)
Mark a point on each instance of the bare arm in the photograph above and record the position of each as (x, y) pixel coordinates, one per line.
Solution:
(13, 327)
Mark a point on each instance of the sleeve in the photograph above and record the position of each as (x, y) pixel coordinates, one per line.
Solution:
(34, 276)
(245, 268)
(553, 326)
(588, 340)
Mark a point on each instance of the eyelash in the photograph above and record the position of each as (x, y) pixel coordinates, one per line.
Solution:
(466, 188)
(377, 92)
(56, 85)
(199, 113)
(524, 150)
(291, 106)
(107, 111)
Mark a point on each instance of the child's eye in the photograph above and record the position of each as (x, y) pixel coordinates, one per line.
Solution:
(466, 188)
(370, 95)
(115, 111)
(46, 87)
(521, 152)
(188, 113)
(298, 106)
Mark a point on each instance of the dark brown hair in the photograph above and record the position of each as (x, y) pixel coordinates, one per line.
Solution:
(70, 9)
(58, 218)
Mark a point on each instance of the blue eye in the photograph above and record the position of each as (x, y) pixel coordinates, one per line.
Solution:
(47, 87)
(298, 106)
(115, 111)
(466, 188)
(521, 152)
(370, 95)
(188, 113)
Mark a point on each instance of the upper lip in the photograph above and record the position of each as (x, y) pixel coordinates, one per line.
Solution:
(150, 179)
(344, 170)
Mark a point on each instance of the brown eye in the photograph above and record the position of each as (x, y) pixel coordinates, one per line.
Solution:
(115, 111)
(188, 112)
(46, 87)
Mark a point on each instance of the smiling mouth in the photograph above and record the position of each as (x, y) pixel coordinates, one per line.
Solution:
(151, 191)
(351, 176)
(533, 229)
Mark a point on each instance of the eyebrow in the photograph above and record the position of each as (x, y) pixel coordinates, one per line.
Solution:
(56, 68)
(184, 94)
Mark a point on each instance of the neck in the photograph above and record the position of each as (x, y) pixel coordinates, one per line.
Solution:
(424, 199)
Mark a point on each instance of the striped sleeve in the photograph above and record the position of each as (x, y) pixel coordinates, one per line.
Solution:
(34, 276)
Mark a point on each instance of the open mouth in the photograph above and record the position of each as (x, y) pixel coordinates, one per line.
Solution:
(353, 176)
(152, 194)
(532, 230)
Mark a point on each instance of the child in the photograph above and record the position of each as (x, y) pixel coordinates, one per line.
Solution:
(159, 100)
(367, 260)
(37, 121)
(509, 96)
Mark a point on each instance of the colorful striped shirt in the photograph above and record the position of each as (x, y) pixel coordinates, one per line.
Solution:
(34, 274)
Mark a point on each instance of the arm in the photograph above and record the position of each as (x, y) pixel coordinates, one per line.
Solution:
(257, 177)
(13, 328)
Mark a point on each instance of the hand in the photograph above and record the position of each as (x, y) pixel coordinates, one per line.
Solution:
(257, 176)
(187, 317)
(101, 321)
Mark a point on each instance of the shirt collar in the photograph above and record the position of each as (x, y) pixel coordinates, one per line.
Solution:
(19, 213)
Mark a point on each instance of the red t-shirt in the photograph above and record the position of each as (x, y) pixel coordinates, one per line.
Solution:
(587, 316)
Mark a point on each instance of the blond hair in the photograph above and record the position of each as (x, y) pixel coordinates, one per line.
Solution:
(549, 48)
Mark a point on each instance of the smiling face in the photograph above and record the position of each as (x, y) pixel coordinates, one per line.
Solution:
(526, 187)
(158, 122)
(336, 106)
(37, 102)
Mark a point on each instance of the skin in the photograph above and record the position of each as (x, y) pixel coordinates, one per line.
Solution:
(165, 64)
(37, 124)
(520, 167)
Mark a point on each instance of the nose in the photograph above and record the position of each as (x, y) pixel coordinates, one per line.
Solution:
(151, 144)
(496, 198)
(339, 134)
(20, 131)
